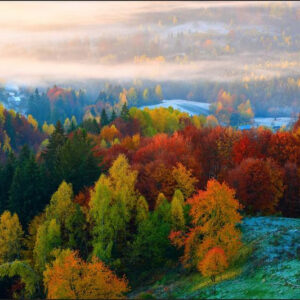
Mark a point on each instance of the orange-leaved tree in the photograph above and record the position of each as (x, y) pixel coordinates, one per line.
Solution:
(214, 263)
(69, 277)
(214, 214)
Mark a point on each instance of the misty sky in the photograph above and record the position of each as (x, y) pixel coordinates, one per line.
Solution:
(227, 41)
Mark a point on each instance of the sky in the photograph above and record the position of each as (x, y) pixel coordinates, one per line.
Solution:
(216, 41)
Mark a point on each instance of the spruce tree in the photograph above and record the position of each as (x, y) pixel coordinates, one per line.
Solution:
(51, 153)
(26, 194)
(125, 113)
(104, 118)
(113, 116)
(6, 178)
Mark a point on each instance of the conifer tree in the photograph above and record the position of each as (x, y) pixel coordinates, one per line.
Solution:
(26, 193)
(51, 153)
(76, 161)
(113, 116)
(6, 178)
(125, 113)
(73, 123)
(142, 210)
(104, 119)
(160, 198)
(177, 211)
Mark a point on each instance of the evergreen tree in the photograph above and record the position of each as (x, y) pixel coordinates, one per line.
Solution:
(8, 127)
(73, 123)
(50, 156)
(6, 177)
(125, 112)
(151, 247)
(91, 125)
(76, 163)
(142, 210)
(26, 193)
(104, 118)
(113, 116)
(78, 235)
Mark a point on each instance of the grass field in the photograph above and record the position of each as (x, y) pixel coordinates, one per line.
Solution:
(268, 268)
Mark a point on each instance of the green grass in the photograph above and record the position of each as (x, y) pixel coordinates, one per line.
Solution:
(268, 267)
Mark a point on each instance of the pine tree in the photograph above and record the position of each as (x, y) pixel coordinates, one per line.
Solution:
(160, 199)
(142, 210)
(7, 174)
(125, 113)
(113, 116)
(67, 125)
(51, 154)
(73, 123)
(77, 232)
(8, 127)
(76, 161)
(26, 194)
(104, 118)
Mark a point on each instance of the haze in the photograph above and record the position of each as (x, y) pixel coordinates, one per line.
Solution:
(215, 41)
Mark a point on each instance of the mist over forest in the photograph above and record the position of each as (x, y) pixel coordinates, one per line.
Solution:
(149, 150)
(193, 49)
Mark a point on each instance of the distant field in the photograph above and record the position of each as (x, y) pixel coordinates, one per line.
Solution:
(190, 107)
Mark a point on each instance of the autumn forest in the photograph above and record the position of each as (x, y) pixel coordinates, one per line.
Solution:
(152, 186)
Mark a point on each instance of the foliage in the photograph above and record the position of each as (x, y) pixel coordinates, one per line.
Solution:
(177, 212)
(214, 215)
(70, 277)
(28, 276)
(47, 239)
(214, 263)
(112, 207)
(184, 179)
(263, 177)
(11, 235)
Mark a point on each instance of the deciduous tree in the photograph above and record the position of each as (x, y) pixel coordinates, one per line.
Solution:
(69, 277)
(11, 237)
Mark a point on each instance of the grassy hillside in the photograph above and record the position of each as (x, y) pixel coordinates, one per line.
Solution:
(271, 271)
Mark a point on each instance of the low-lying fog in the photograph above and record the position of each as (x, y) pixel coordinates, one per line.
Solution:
(184, 41)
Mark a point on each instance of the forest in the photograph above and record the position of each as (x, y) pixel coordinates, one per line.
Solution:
(150, 150)
(91, 210)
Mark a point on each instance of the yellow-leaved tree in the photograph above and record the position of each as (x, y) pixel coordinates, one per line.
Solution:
(69, 277)
(185, 181)
(11, 237)
(32, 121)
(177, 212)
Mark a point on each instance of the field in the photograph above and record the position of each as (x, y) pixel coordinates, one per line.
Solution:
(272, 270)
